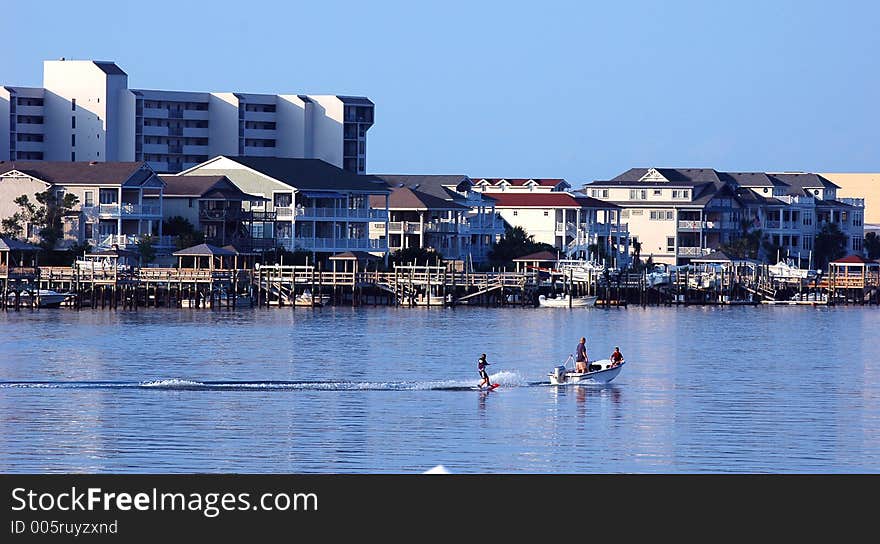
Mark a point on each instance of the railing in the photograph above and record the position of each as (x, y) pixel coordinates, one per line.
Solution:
(772, 224)
(691, 225)
(686, 251)
(284, 212)
(857, 202)
(447, 226)
(17, 271)
(342, 213)
(334, 244)
(107, 241)
(115, 210)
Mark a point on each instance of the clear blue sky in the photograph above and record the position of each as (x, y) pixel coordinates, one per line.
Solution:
(580, 90)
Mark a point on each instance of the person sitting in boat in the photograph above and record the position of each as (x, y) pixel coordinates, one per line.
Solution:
(580, 361)
(616, 357)
(481, 366)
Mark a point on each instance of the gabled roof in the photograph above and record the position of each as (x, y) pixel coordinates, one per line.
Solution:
(852, 259)
(804, 180)
(354, 256)
(404, 198)
(539, 256)
(517, 182)
(441, 185)
(715, 257)
(203, 250)
(83, 173)
(751, 179)
(548, 200)
(310, 174)
(202, 187)
(9, 244)
(673, 175)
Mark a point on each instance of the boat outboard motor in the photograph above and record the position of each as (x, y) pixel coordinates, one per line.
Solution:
(559, 374)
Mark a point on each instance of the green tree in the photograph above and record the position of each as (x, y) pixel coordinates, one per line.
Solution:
(184, 231)
(872, 245)
(415, 255)
(748, 244)
(46, 217)
(516, 242)
(147, 248)
(830, 244)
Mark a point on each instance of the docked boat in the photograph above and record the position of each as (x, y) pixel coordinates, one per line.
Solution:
(307, 299)
(660, 276)
(564, 301)
(46, 298)
(605, 372)
(787, 271)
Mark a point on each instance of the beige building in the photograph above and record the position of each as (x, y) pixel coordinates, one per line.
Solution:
(860, 185)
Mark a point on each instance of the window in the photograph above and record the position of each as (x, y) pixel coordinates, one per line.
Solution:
(638, 212)
(624, 214)
(89, 231)
(546, 213)
(515, 212)
(670, 244)
(283, 200)
(680, 193)
(658, 192)
(766, 190)
(638, 194)
(72, 156)
(89, 201)
(191, 201)
(73, 121)
(808, 218)
(73, 104)
(857, 220)
(857, 244)
(808, 242)
(73, 140)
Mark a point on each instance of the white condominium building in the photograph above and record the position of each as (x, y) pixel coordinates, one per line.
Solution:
(677, 214)
(85, 111)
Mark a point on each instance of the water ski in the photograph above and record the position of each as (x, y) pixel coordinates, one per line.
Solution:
(490, 387)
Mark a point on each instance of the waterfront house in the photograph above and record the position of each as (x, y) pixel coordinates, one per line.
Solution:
(418, 219)
(677, 214)
(580, 227)
(530, 185)
(310, 205)
(111, 209)
(453, 214)
(213, 205)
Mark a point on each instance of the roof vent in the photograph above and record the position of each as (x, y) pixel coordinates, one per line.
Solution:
(93, 162)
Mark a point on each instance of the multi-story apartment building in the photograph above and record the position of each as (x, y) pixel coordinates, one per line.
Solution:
(677, 214)
(442, 212)
(85, 111)
(119, 202)
(306, 204)
(579, 226)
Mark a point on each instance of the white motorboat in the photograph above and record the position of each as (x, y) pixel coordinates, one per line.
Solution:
(307, 299)
(46, 298)
(601, 372)
(660, 276)
(787, 271)
(563, 301)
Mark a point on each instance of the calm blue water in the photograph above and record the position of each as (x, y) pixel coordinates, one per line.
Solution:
(373, 390)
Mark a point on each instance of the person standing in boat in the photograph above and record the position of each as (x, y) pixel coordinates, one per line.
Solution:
(481, 367)
(616, 357)
(580, 360)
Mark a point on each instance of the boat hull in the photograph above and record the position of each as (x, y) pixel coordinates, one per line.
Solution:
(576, 302)
(604, 375)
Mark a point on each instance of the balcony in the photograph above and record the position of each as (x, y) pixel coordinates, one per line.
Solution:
(129, 241)
(857, 202)
(333, 244)
(156, 113)
(153, 130)
(195, 132)
(403, 227)
(690, 225)
(446, 226)
(687, 251)
(29, 110)
(367, 214)
(126, 210)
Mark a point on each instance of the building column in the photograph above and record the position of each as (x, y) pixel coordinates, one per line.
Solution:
(422, 230)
